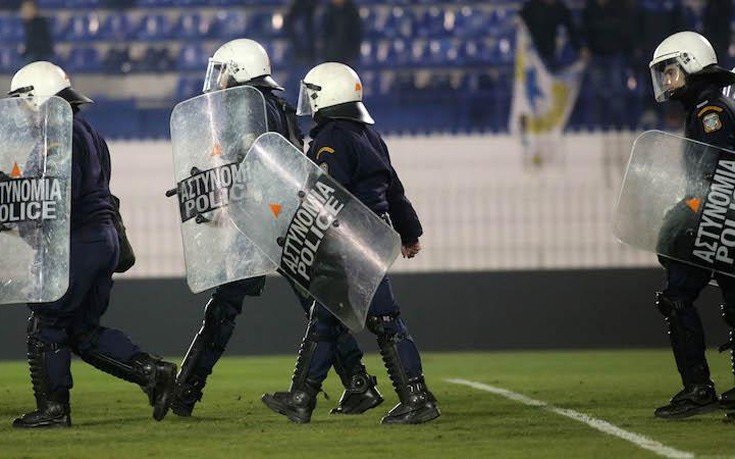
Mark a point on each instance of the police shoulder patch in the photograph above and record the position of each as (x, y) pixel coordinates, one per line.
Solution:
(324, 150)
(711, 122)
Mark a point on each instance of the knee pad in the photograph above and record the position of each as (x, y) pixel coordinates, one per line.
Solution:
(51, 338)
(388, 327)
(219, 324)
(669, 306)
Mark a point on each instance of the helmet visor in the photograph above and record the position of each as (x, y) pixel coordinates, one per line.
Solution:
(216, 77)
(667, 76)
(308, 92)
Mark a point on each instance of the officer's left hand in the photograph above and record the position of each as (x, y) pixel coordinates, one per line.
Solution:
(411, 250)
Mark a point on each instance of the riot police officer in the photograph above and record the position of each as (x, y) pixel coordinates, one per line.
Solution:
(684, 68)
(236, 63)
(72, 323)
(347, 147)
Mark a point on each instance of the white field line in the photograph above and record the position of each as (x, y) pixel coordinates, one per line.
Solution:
(598, 424)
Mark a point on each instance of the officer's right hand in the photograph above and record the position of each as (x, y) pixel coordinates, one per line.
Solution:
(411, 250)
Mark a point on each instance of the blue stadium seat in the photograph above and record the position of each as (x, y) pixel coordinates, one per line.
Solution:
(369, 81)
(188, 3)
(11, 30)
(117, 27)
(279, 53)
(192, 25)
(156, 3)
(443, 51)
(10, 60)
(117, 60)
(368, 53)
(81, 4)
(155, 59)
(82, 27)
(502, 51)
(153, 27)
(83, 59)
(399, 53)
(262, 25)
(369, 17)
(51, 4)
(192, 56)
(188, 87)
(230, 24)
(431, 24)
(475, 52)
(472, 22)
(399, 23)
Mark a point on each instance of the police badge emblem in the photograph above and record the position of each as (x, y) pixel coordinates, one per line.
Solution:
(711, 122)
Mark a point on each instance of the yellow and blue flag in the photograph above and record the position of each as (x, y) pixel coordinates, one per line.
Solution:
(542, 100)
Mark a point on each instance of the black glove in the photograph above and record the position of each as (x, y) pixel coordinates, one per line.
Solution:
(679, 230)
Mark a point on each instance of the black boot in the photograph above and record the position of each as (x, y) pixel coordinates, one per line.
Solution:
(692, 400)
(52, 408)
(186, 395)
(417, 405)
(360, 394)
(156, 377)
(686, 335)
(189, 383)
(299, 402)
(50, 413)
(296, 404)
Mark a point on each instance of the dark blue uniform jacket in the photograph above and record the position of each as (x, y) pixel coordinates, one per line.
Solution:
(90, 176)
(355, 155)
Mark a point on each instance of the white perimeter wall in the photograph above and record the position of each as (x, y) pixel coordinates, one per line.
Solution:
(483, 203)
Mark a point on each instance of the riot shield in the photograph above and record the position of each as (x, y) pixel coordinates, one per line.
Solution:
(35, 199)
(677, 200)
(211, 134)
(318, 234)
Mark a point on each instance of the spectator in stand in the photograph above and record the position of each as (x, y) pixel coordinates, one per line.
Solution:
(341, 33)
(39, 45)
(607, 29)
(716, 24)
(543, 18)
(299, 25)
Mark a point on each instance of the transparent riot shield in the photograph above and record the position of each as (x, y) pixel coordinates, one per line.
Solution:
(320, 235)
(677, 200)
(35, 199)
(211, 134)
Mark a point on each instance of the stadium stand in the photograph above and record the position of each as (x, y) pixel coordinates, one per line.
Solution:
(448, 63)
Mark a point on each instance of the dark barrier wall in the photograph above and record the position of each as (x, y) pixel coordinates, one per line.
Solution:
(445, 312)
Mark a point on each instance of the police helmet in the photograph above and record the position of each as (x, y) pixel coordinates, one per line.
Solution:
(41, 80)
(680, 57)
(333, 90)
(238, 62)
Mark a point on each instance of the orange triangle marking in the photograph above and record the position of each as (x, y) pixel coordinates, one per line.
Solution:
(216, 150)
(275, 208)
(694, 204)
(16, 170)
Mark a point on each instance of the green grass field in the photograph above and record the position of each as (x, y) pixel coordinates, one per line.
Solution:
(112, 420)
